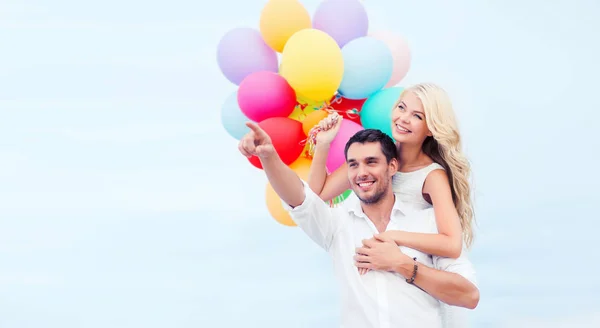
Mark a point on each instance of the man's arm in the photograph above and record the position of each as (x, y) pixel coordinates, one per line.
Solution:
(306, 209)
(448, 287)
(450, 281)
(284, 180)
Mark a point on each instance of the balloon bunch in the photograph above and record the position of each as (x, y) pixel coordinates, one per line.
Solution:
(330, 63)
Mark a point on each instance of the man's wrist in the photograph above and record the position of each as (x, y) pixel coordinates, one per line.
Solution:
(405, 267)
(270, 158)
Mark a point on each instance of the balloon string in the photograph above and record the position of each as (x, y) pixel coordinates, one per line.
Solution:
(351, 113)
(311, 140)
(312, 134)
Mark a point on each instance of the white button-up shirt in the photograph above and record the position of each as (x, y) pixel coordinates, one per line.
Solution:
(377, 299)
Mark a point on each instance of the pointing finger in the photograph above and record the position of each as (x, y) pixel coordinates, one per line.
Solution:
(260, 133)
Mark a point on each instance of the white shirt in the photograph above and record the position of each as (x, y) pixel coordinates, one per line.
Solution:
(377, 299)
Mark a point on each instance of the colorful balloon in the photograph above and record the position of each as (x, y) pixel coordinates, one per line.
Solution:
(313, 119)
(336, 156)
(400, 52)
(256, 55)
(343, 20)
(280, 19)
(313, 65)
(262, 95)
(276, 209)
(348, 108)
(287, 137)
(368, 66)
(376, 112)
(304, 107)
(341, 198)
(232, 118)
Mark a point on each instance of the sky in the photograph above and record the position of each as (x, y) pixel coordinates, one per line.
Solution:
(125, 203)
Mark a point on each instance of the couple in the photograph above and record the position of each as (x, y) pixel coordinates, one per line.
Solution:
(408, 249)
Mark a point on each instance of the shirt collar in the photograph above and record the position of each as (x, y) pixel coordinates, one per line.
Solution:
(353, 205)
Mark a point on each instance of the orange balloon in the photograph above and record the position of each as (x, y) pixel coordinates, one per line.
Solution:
(276, 208)
(313, 119)
(302, 167)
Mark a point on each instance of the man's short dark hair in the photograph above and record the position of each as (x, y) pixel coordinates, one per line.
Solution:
(388, 147)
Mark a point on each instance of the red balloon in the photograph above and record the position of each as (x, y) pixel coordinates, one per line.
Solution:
(287, 136)
(343, 106)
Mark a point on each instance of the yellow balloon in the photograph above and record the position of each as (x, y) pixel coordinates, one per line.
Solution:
(280, 19)
(297, 114)
(305, 107)
(309, 103)
(312, 64)
(301, 166)
(276, 209)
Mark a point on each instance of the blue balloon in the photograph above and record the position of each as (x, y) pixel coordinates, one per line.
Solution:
(368, 65)
(376, 112)
(233, 119)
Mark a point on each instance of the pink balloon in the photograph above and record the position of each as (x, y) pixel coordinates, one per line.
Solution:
(400, 52)
(336, 155)
(264, 94)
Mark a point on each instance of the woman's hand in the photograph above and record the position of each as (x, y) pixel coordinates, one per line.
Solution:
(329, 128)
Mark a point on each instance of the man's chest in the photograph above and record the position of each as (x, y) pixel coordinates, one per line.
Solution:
(360, 229)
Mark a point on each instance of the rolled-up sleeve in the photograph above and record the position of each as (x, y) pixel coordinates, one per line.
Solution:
(315, 218)
(460, 265)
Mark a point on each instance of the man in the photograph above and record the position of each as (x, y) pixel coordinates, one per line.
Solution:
(399, 291)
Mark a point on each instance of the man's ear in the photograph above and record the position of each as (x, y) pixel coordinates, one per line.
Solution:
(393, 166)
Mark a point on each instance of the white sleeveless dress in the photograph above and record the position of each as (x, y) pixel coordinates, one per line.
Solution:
(408, 186)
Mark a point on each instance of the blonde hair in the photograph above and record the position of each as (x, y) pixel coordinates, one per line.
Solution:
(444, 148)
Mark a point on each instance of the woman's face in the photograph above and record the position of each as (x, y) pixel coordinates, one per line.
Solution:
(409, 124)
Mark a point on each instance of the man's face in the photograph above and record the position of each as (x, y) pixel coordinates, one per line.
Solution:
(368, 171)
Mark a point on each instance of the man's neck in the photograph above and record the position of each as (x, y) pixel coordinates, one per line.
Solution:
(379, 213)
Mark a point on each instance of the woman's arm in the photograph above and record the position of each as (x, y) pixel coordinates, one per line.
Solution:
(327, 186)
(448, 241)
(447, 281)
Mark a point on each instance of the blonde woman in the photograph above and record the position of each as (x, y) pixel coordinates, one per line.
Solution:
(433, 172)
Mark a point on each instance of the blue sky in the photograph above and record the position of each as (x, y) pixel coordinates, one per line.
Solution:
(116, 209)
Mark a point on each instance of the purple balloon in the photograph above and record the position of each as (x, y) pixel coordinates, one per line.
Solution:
(242, 51)
(343, 20)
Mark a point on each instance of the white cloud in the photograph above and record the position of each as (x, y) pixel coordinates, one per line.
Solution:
(14, 279)
(135, 132)
(11, 163)
(582, 320)
(142, 190)
(9, 9)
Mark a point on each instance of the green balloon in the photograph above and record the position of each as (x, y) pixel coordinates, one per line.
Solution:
(376, 112)
(345, 194)
(339, 199)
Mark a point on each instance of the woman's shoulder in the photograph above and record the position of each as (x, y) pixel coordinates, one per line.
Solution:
(409, 185)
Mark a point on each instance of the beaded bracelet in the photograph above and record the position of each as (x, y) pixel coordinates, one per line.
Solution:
(411, 280)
